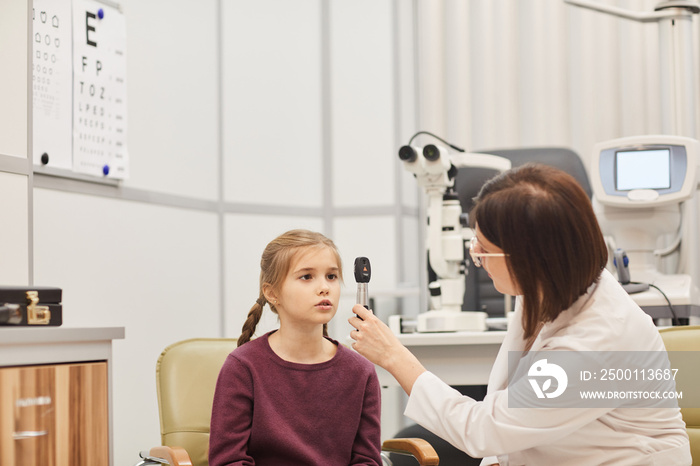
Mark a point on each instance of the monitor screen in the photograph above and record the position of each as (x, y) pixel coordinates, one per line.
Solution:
(643, 169)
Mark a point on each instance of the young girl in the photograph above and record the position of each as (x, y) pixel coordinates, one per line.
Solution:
(294, 396)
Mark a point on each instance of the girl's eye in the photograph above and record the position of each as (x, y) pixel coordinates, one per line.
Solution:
(306, 277)
(332, 276)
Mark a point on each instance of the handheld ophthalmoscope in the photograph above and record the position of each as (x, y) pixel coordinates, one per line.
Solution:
(363, 272)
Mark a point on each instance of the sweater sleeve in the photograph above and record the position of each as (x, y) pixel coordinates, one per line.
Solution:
(231, 417)
(367, 446)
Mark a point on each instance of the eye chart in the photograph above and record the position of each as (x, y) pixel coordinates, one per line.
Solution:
(99, 90)
(52, 72)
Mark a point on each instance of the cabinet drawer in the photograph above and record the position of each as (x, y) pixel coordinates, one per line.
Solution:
(54, 415)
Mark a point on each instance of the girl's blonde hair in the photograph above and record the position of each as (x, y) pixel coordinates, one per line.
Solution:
(274, 266)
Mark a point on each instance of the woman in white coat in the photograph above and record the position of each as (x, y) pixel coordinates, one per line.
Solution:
(538, 238)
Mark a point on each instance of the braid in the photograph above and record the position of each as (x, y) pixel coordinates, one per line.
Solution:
(252, 321)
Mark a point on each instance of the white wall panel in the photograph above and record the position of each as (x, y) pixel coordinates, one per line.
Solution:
(541, 81)
(633, 83)
(406, 71)
(556, 129)
(503, 69)
(430, 49)
(14, 53)
(413, 256)
(272, 102)
(362, 67)
(14, 246)
(376, 239)
(409, 187)
(407, 104)
(484, 117)
(172, 103)
(246, 237)
(413, 249)
(457, 76)
(153, 270)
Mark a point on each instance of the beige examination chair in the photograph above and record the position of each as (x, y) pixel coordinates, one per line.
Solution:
(186, 374)
(686, 338)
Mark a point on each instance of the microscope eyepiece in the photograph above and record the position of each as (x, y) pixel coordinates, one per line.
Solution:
(431, 152)
(408, 154)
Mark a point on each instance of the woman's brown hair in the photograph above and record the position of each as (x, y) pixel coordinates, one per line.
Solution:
(274, 266)
(544, 220)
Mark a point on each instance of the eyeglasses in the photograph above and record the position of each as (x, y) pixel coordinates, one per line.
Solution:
(476, 256)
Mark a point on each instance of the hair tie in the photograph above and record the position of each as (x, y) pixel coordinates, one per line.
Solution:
(260, 301)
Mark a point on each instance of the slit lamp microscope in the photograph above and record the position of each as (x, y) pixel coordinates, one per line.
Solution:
(447, 233)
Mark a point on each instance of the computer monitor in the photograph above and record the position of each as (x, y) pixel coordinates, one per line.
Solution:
(644, 171)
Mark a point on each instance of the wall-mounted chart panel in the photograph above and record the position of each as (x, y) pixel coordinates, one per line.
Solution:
(79, 88)
(52, 83)
(99, 90)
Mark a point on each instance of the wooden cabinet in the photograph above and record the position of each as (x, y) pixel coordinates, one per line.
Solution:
(56, 396)
(59, 415)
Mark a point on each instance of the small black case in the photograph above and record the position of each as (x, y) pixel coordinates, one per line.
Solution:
(37, 306)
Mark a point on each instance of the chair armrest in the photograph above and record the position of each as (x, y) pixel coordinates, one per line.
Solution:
(416, 447)
(176, 456)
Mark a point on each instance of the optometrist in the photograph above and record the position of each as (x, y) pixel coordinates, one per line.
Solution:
(539, 240)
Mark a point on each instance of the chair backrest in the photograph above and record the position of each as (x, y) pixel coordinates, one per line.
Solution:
(186, 374)
(480, 293)
(686, 338)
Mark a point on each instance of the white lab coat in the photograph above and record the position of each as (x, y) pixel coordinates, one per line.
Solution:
(603, 319)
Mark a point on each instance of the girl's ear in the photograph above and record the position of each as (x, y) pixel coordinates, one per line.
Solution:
(269, 292)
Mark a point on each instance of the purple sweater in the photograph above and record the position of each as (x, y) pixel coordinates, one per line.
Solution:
(268, 411)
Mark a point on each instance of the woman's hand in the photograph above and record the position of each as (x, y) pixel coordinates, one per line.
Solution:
(375, 341)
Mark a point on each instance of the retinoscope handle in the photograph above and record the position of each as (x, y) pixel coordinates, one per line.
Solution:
(363, 272)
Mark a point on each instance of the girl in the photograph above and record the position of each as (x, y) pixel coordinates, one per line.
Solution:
(538, 238)
(294, 396)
